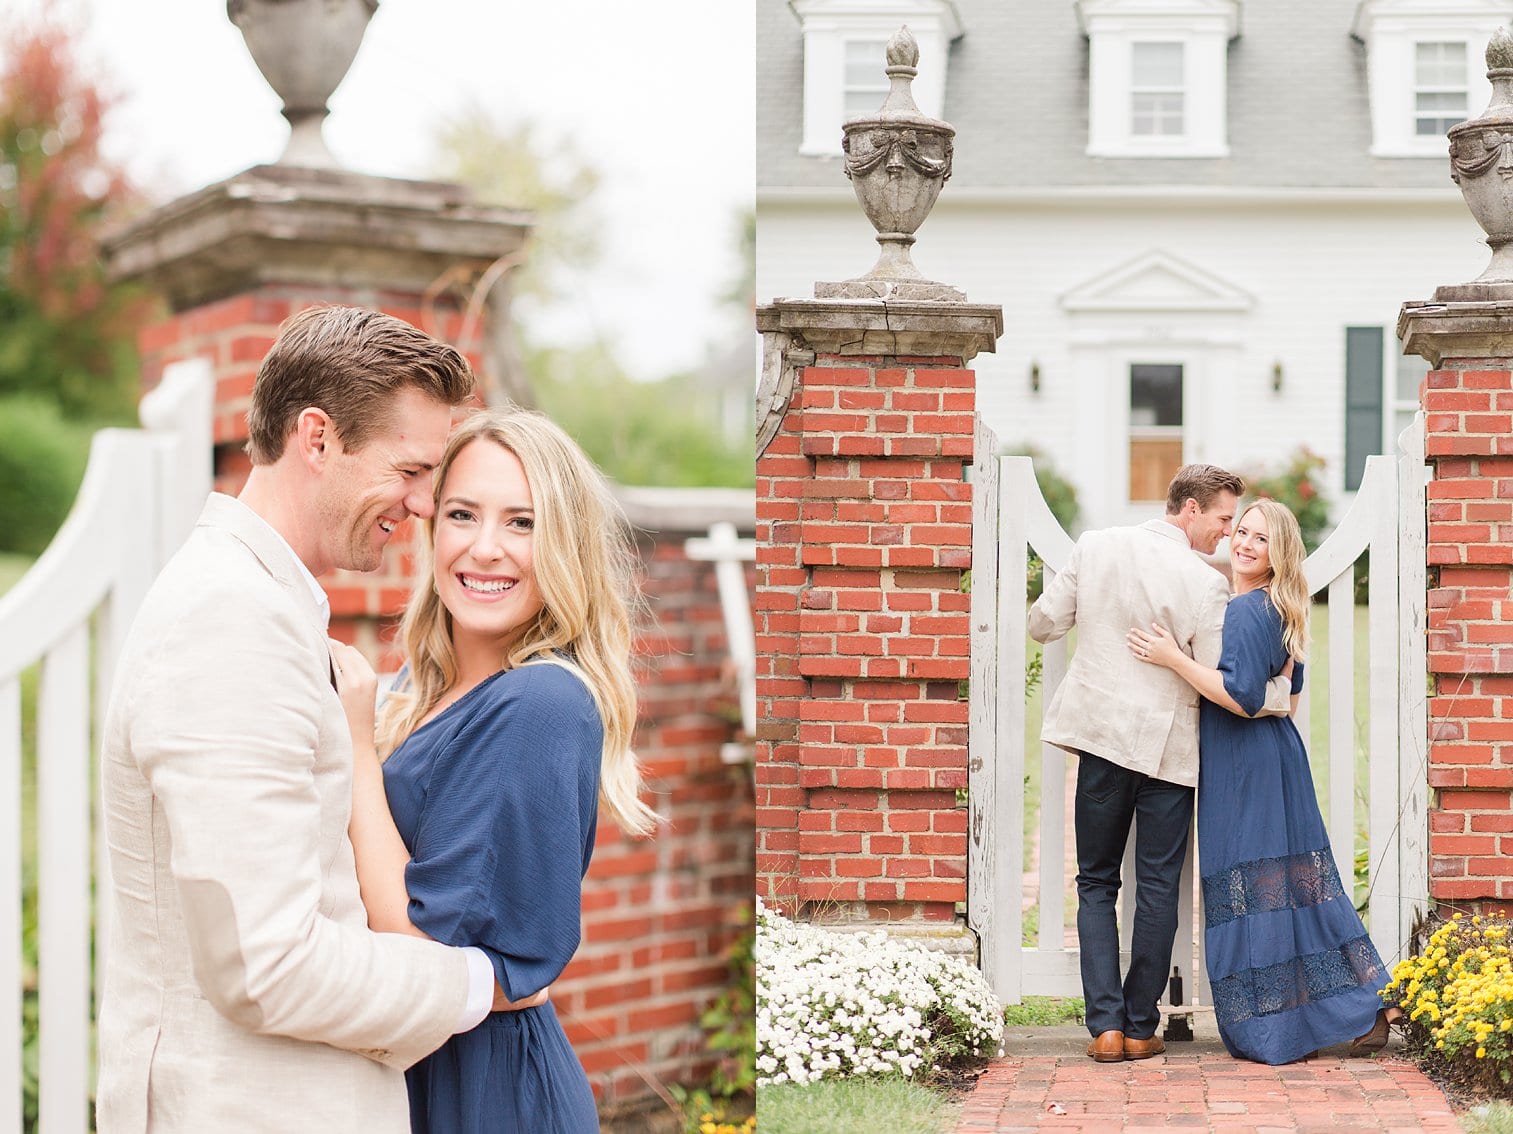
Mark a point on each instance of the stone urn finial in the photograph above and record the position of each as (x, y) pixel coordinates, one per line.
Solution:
(303, 48)
(1481, 163)
(897, 160)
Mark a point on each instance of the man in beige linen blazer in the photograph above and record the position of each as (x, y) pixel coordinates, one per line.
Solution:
(1134, 728)
(243, 990)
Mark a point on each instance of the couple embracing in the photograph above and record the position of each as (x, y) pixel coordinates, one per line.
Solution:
(294, 922)
(1178, 683)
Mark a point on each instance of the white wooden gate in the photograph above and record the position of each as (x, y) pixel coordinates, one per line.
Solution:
(68, 615)
(1010, 517)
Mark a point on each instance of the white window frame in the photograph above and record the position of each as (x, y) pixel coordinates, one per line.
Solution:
(1391, 31)
(1203, 28)
(828, 25)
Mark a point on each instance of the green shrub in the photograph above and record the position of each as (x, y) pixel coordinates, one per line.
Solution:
(1294, 485)
(42, 458)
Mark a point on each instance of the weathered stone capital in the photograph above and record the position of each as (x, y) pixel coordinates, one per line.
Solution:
(281, 224)
(884, 327)
(1469, 328)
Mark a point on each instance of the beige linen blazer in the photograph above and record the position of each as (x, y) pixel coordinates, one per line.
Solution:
(243, 990)
(1134, 714)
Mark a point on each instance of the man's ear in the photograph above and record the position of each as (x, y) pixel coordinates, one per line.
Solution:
(314, 436)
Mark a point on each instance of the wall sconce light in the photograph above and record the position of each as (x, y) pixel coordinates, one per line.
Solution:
(1276, 377)
(1035, 377)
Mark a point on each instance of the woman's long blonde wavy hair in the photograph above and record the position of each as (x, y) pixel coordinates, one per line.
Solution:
(584, 568)
(1288, 586)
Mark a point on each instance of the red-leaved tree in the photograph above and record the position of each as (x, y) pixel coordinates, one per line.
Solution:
(67, 335)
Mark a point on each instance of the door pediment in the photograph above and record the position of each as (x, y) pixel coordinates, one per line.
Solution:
(1156, 281)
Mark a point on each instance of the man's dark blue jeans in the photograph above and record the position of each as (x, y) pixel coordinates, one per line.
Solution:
(1109, 798)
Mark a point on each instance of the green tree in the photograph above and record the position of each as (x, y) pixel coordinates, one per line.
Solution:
(676, 432)
(69, 332)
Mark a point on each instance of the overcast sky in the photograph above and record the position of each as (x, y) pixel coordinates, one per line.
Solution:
(658, 94)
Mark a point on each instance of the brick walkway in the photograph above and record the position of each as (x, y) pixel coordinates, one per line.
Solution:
(1211, 1092)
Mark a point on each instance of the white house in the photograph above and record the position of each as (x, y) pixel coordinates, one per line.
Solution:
(1200, 216)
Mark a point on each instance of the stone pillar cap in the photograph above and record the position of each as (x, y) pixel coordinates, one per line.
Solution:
(316, 227)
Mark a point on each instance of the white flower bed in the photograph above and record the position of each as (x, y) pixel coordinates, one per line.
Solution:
(833, 1004)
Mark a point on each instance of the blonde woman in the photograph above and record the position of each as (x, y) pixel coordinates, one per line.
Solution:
(510, 729)
(1291, 966)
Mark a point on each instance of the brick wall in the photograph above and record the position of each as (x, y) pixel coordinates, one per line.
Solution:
(863, 532)
(658, 914)
(1468, 412)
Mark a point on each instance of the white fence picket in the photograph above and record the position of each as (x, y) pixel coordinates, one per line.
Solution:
(1016, 485)
(982, 733)
(70, 612)
(10, 906)
(1412, 836)
(1341, 667)
(63, 864)
(1386, 518)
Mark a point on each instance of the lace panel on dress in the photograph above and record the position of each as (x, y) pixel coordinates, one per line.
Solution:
(1293, 983)
(1291, 882)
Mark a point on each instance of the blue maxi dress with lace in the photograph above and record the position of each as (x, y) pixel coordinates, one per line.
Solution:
(497, 800)
(1290, 963)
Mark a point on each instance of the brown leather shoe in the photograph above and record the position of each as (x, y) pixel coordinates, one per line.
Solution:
(1107, 1048)
(1143, 1049)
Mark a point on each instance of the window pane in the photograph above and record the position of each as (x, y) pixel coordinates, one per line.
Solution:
(1435, 127)
(1441, 101)
(1440, 64)
(865, 63)
(862, 104)
(1411, 370)
(1156, 64)
(1156, 114)
(1155, 394)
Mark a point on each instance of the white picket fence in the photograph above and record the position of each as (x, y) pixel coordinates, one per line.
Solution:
(68, 616)
(1010, 516)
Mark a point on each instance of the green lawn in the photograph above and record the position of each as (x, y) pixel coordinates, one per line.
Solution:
(853, 1106)
(1318, 741)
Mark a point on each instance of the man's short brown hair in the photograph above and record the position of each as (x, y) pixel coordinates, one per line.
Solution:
(1201, 483)
(349, 362)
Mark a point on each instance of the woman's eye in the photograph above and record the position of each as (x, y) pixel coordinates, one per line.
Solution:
(459, 514)
(523, 523)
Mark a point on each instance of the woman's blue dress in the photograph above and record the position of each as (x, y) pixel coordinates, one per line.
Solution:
(497, 799)
(1290, 963)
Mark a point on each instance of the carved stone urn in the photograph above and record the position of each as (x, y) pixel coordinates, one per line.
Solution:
(303, 48)
(1481, 163)
(897, 160)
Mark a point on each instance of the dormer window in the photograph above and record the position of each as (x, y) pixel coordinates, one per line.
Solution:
(1424, 67)
(845, 44)
(1439, 87)
(1157, 76)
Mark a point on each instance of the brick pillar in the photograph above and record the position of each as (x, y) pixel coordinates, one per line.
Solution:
(1468, 408)
(863, 535)
(233, 260)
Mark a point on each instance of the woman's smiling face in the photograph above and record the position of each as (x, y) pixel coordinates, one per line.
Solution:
(484, 538)
(1249, 549)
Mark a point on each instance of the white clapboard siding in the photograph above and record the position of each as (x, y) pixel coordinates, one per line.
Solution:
(69, 615)
(1386, 518)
